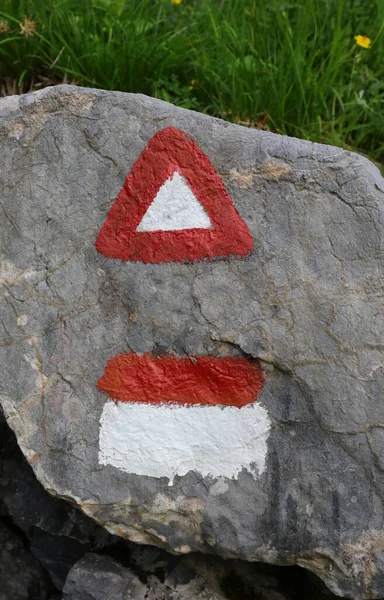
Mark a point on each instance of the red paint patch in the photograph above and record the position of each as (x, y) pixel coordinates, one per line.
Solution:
(186, 381)
(168, 151)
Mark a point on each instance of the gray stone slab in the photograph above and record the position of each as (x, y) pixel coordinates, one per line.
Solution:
(307, 302)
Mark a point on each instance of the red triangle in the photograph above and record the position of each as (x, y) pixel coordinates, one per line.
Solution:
(168, 151)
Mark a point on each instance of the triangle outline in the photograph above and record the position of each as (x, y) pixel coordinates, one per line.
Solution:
(168, 151)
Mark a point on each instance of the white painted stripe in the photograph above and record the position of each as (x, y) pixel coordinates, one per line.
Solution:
(174, 207)
(164, 441)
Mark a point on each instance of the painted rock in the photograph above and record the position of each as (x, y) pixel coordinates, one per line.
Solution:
(192, 330)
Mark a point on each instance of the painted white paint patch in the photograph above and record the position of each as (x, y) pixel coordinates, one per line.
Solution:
(174, 207)
(164, 441)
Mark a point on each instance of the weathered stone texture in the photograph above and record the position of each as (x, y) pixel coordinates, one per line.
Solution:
(21, 576)
(190, 578)
(36, 527)
(57, 533)
(308, 302)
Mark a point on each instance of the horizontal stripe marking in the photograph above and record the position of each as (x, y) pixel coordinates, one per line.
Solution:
(201, 380)
(168, 441)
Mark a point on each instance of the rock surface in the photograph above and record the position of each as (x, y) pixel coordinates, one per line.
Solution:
(307, 302)
(58, 534)
(21, 576)
(38, 530)
(100, 577)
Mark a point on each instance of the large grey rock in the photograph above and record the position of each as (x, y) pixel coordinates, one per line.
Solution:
(308, 302)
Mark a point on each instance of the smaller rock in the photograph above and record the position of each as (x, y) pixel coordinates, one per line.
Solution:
(21, 577)
(193, 577)
(58, 534)
(101, 577)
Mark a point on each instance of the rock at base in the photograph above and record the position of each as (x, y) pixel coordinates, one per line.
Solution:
(21, 576)
(191, 578)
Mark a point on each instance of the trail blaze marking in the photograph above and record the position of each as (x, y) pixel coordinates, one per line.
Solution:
(202, 380)
(173, 207)
(168, 415)
(165, 441)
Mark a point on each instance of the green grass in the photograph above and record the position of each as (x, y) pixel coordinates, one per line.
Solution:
(289, 65)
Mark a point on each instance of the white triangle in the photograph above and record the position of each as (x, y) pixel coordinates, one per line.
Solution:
(174, 207)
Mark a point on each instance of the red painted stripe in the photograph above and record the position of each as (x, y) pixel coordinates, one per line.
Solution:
(178, 380)
(168, 151)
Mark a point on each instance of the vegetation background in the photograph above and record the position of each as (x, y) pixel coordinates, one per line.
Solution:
(291, 66)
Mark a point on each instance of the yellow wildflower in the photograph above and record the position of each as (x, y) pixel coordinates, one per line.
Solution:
(28, 27)
(193, 83)
(363, 41)
(176, 1)
(4, 27)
